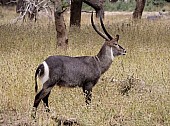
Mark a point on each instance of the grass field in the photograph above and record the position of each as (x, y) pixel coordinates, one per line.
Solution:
(146, 68)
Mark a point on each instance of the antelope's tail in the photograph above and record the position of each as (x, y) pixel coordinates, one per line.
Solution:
(39, 71)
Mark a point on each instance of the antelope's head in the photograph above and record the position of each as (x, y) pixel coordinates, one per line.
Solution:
(116, 49)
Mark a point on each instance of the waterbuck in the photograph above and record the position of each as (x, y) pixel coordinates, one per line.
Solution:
(84, 71)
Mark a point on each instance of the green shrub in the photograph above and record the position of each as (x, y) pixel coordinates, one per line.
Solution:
(151, 5)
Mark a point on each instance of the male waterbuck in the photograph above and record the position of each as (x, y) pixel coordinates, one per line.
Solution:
(84, 71)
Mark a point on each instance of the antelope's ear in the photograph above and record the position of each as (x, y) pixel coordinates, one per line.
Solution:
(117, 38)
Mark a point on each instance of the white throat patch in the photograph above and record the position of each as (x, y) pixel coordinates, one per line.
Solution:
(112, 57)
(45, 76)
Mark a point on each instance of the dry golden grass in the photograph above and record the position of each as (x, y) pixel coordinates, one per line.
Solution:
(23, 47)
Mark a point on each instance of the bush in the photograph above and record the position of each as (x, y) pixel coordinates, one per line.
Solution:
(151, 5)
(119, 6)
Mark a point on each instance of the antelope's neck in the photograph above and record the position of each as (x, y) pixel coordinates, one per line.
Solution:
(105, 56)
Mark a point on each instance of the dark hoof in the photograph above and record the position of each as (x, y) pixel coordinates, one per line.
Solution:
(47, 109)
(33, 113)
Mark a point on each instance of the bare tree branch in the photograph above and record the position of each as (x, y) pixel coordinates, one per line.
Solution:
(32, 8)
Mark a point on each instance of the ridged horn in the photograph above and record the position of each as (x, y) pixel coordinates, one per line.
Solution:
(104, 29)
(101, 34)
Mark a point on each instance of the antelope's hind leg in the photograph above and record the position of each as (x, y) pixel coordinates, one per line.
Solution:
(42, 95)
(45, 100)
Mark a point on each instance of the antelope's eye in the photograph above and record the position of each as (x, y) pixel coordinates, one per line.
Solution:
(115, 44)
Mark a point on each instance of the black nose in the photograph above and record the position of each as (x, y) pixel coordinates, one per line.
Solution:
(124, 52)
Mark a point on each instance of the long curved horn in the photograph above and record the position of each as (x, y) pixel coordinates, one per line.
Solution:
(101, 34)
(104, 29)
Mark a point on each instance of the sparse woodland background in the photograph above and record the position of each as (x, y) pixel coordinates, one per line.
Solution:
(135, 91)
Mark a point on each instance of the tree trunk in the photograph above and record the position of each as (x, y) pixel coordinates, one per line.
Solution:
(97, 5)
(113, 1)
(75, 13)
(76, 5)
(140, 4)
(62, 40)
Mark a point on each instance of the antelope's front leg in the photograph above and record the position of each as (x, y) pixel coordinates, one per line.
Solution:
(87, 89)
(88, 97)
